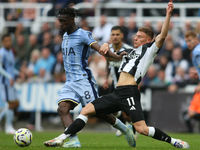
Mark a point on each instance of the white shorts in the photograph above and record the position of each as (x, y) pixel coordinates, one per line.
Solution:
(8, 93)
(81, 91)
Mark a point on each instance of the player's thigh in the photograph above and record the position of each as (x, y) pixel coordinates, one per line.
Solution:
(105, 104)
(88, 110)
(130, 104)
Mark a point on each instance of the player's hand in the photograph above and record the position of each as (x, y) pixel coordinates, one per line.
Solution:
(170, 7)
(120, 56)
(197, 89)
(106, 85)
(11, 82)
(104, 49)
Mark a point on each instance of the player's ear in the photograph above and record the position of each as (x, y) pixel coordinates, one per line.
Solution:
(148, 40)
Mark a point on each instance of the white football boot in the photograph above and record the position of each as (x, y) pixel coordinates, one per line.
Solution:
(74, 142)
(181, 144)
(130, 136)
(9, 129)
(54, 143)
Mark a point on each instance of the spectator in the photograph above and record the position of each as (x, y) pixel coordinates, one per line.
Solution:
(98, 67)
(35, 56)
(56, 28)
(102, 33)
(151, 79)
(158, 27)
(44, 66)
(124, 28)
(58, 69)
(21, 50)
(21, 30)
(12, 14)
(177, 61)
(32, 44)
(132, 29)
(28, 14)
(47, 42)
(84, 24)
(45, 28)
(167, 48)
(57, 41)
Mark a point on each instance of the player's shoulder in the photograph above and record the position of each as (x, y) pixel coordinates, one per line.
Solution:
(84, 33)
(197, 47)
(126, 46)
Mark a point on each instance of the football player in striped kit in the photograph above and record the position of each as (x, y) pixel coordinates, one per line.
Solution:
(117, 45)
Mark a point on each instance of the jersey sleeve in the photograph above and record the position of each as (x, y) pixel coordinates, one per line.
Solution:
(87, 38)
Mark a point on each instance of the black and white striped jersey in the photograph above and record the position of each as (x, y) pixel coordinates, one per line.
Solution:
(138, 60)
(114, 65)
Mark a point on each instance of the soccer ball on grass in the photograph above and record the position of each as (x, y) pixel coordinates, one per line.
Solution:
(23, 137)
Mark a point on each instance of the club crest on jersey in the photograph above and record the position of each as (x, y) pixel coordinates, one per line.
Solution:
(133, 55)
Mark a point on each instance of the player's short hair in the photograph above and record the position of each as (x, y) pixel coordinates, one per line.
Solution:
(4, 36)
(69, 10)
(148, 31)
(117, 28)
(190, 33)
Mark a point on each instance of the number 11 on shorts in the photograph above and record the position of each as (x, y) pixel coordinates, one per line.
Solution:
(131, 103)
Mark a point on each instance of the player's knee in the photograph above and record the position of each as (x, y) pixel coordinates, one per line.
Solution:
(63, 109)
(13, 105)
(88, 110)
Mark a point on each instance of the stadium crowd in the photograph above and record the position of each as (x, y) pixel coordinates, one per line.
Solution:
(39, 56)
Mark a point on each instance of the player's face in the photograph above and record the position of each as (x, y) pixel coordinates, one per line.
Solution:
(65, 22)
(7, 42)
(140, 39)
(191, 42)
(116, 36)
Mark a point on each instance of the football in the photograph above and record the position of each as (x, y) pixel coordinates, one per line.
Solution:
(23, 137)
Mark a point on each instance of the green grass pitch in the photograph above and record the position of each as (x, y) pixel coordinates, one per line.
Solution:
(99, 140)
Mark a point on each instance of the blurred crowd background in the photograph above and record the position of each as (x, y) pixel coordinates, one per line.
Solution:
(39, 56)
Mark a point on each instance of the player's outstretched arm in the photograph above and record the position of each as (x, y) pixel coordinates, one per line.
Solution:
(161, 37)
(106, 52)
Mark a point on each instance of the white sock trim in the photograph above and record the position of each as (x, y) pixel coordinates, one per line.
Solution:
(173, 141)
(151, 131)
(115, 122)
(82, 117)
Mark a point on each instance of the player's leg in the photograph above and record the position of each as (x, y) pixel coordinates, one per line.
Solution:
(156, 133)
(75, 127)
(68, 100)
(87, 92)
(125, 129)
(9, 95)
(121, 118)
(64, 108)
